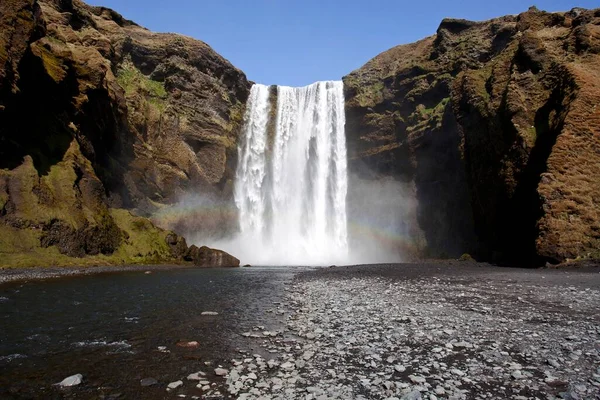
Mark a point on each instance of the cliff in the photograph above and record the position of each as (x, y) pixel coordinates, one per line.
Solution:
(491, 130)
(496, 128)
(98, 114)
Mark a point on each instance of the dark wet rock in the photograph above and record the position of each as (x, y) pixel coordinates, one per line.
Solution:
(178, 245)
(148, 382)
(103, 238)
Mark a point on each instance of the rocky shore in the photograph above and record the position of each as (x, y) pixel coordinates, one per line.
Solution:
(421, 332)
(29, 274)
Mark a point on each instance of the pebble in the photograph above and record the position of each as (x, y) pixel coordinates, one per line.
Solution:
(185, 344)
(72, 380)
(148, 382)
(517, 374)
(196, 376)
(414, 395)
(416, 379)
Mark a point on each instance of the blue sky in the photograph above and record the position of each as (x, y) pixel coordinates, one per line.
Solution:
(297, 42)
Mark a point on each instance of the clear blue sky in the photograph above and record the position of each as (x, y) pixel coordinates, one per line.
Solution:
(297, 42)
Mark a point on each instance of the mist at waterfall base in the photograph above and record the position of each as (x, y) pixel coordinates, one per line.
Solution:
(295, 203)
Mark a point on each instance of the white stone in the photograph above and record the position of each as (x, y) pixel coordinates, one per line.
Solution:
(72, 380)
(174, 385)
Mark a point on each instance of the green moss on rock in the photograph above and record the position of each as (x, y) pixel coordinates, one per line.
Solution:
(143, 241)
(133, 81)
(370, 95)
(52, 64)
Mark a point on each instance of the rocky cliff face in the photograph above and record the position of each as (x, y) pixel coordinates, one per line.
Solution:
(491, 129)
(496, 127)
(98, 113)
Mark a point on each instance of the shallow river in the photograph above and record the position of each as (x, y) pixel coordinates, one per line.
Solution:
(109, 327)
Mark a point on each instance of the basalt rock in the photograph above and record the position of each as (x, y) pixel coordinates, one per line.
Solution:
(177, 244)
(210, 258)
(496, 126)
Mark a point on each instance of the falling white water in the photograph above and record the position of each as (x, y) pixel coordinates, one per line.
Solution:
(291, 180)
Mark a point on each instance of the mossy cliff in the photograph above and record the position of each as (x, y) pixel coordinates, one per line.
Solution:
(98, 115)
(62, 218)
(497, 126)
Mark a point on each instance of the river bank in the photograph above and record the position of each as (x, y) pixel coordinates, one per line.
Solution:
(436, 266)
(40, 273)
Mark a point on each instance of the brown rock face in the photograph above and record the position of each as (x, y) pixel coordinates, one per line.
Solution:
(97, 112)
(496, 126)
(178, 245)
(211, 258)
(157, 114)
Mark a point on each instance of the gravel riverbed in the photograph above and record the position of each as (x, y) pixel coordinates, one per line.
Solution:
(438, 330)
(396, 333)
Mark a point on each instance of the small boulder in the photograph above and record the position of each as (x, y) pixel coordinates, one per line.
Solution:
(221, 371)
(206, 257)
(466, 257)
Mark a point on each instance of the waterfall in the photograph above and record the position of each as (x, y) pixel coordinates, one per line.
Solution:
(291, 180)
